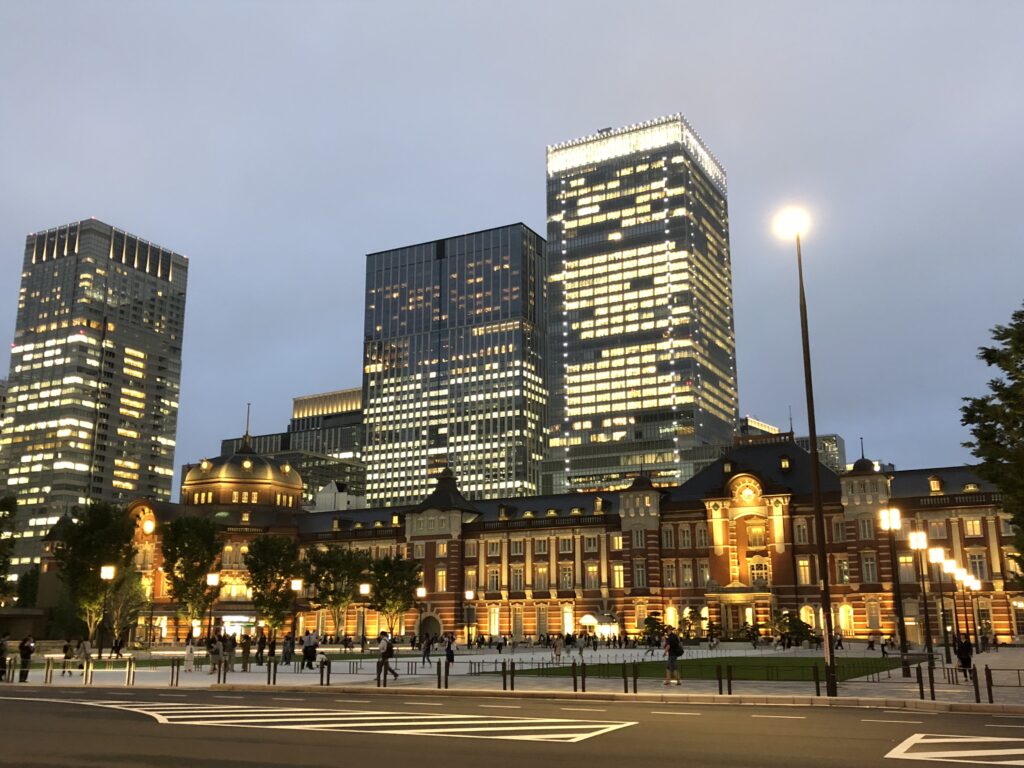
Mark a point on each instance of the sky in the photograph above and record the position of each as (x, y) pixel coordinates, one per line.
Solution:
(275, 144)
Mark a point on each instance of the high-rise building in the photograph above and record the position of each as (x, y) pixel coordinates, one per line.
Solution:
(453, 365)
(641, 340)
(92, 395)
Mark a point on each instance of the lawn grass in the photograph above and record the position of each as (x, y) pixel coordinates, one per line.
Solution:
(764, 668)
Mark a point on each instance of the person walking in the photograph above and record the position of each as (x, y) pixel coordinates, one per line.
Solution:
(556, 649)
(964, 652)
(309, 645)
(386, 649)
(246, 650)
(25, 650)
(68, 652)
(673, 650)
(215, 650)
(261, 646)
(84, 654)
(230, 647)
(427, 644)
(190, 654)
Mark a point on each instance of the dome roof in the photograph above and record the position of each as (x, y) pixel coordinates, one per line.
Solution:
(863, 466)
(245, 466)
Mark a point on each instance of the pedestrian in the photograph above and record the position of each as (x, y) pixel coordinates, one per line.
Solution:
(386, 649)
(964, 652)
(246, 650)
(309, 645)
(25, 650)
(68, 651)
(4, 648)
(230, 646)
(449, 649)
(214, 650)
(261, 646)
(287, 649)
(272, 649)
(427, 644)
(84, 654)
(190, 655)
(838, 634)
(556, 649)
(673, 650)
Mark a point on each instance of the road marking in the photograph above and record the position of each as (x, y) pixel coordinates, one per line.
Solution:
(276, 698)
(915, 722)
(582, 709)
(177, 695)
(229, 697)
(499, 706)
(990, 725)
(677, 713)
(903, 712)
(1011, 717)
(353, 701)
(509, 728)
(911, 749)
(425, 703)
(782, 717)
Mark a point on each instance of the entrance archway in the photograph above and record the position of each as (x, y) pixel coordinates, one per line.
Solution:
(430, 626)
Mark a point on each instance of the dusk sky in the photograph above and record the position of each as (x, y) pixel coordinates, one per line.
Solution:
(277, 144)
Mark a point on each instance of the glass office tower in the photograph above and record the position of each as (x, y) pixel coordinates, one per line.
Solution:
(453, 366)
(92, 398)
(642, 348)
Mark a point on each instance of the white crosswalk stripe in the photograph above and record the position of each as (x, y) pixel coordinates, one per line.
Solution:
(323, 719)
(949, 748)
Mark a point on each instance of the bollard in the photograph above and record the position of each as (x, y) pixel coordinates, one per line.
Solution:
(718, 676)
(438, 674)
(583, 676)
(920, 682)
(988, 683)
(817, 680)
(174, 664)
(575, 686)
(447, 664)
(636, 674)
(931, 681)
(270, 664)
(728, 677)
(48, 671)
(512, 675)
(504, 676)
(974, 679)
(275, 672)
(625, 679)
(128, 673)
(382, 673)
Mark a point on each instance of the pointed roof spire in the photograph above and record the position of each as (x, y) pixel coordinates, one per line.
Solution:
(862, 447)
(246, 446)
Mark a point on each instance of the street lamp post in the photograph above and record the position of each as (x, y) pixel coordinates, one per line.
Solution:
(421, 595)
(789, 224)
(296, 585)
(213, 582)
(470, 615)
(889, 520)
(919, 543)
(949, 567)
(962, 577)
(974, 585)
(107, 573)
(937, 557)
(364, 592)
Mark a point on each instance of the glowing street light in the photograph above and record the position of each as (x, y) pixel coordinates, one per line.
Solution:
(937, 557)
(364, 589)
(421, 592)
(213, 582)
(919, 543)
(296, 585)
(891, 521)
(107, 573)
(788, 224)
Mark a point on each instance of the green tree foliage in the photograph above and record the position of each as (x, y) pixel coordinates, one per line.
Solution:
(102, 535)
(126, 599)
(335, 574)
(8, 509)
(654, 627)
(28, 588)
(272, 562)
(393, 582)
(996, 420)
(191, 549)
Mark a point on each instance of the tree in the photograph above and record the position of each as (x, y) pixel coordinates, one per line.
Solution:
(191, 548)
(393, 582)
(654, 627)
(272, 562)
(28, 588)
(101, 536)
(8, 508)
(125, 601)
(996, 421)
(335, 574)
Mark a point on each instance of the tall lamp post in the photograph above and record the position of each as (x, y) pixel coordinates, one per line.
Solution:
(937, 557)
(962, 577)
(296, 585)
(470, 611)
(421, 595)
(788, 224)
(973, 583)
(213, 582)
(949, 567)
(889, 520)
(364, 592)
(919, 543)
(107, 573)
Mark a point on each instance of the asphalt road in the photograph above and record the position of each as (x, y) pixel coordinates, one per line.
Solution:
(47, 727)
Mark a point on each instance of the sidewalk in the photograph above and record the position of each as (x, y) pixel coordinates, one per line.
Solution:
(481, 672)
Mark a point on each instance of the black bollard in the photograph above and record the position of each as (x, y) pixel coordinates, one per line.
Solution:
(504, 676)
(920, 682)
(575, 685)
(718, 676)
(625, 679)
(988, 683)
(438, 674)
(583, 676)
(512, 675)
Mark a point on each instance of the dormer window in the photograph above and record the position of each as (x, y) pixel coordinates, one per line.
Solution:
(727, 467)
(935, 484)
(245, 517)
(971, 488)
(784, 463)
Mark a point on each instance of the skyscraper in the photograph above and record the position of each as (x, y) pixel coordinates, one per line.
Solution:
(642, 349)
(453, 365)
(92, 395)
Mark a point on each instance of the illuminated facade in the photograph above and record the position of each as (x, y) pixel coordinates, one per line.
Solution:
(92, 399)
(731, 548)
(453, 365)
(641, 339)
